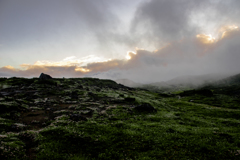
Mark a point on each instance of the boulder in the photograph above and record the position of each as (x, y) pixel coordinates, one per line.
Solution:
(98, 89)
(44, 76)
(79, 87)
(129, 99)
(145, 107)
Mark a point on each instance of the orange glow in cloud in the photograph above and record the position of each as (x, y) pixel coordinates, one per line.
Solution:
(81, 69)
(71, 61)
(206, 39)
(105, 66)
(9, 67)
(129, 53)
(225, 31)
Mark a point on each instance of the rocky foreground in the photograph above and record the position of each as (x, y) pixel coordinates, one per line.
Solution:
(88, 118)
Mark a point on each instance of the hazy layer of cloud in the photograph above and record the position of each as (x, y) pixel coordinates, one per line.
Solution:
(193, 56)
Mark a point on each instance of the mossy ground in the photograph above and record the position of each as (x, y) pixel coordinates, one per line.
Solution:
(205, 128)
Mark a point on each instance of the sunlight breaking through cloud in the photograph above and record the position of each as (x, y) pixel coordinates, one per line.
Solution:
(206, 38)
(70, 61)
(202, 54)
(225, 30)
(129, 55)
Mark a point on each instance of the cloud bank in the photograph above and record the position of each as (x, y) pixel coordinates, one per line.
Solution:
(201, 54)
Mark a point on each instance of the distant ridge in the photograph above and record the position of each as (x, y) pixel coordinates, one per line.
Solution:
(235, 79)
(191, 80)
(185, 82)
(129, 83)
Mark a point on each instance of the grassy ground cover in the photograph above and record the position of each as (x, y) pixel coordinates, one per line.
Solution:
(180, 129)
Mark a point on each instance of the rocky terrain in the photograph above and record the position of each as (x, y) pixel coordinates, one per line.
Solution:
(89, 118)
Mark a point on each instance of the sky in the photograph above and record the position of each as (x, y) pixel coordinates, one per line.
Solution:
(141, 40)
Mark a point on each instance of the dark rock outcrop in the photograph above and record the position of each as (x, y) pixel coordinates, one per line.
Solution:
(44, 76)
(145, 107)
(205, 92)
(77, 117)
(2, 94)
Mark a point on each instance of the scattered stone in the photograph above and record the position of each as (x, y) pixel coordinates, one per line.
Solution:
(74, 95)
(71, 102)
(35, 122)
(61, 111)
(48, 109)
(87, 112)
(98, 89)
(72, 107)
(6, 94)
(79, 87)
(92, 95)
(145, 107)
(16, 127)
(3, 136)
(77, 117)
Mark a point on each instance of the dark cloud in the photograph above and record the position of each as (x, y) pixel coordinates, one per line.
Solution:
(161, 21)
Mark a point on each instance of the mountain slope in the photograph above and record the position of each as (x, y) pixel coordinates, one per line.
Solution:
(89, 118)
(128, 83)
